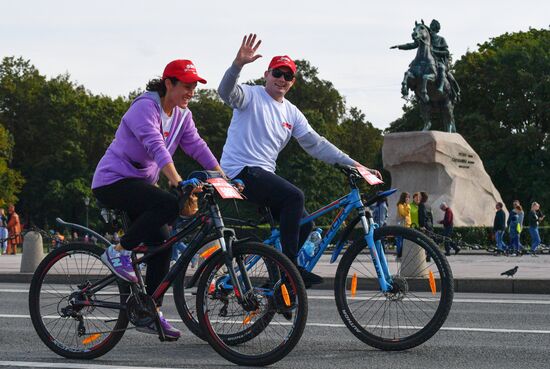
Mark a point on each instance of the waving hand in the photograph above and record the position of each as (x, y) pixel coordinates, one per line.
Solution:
(247, 52)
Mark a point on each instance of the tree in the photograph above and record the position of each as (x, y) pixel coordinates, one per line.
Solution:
(11, 181)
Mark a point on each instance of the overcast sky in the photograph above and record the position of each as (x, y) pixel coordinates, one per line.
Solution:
(114, 47)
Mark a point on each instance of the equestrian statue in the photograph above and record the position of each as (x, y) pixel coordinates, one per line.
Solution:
(429, 76)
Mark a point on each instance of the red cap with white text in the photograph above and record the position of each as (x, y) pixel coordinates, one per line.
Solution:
(282, 61)
(183, 70)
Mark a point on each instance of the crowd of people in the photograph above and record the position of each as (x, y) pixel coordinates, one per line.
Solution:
(514, 226)
(417, 214)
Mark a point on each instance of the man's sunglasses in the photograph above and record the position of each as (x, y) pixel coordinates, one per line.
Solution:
(277, 73)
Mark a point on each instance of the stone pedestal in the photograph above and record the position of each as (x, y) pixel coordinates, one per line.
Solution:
(33, 252)
(446, 167)
(413, 262)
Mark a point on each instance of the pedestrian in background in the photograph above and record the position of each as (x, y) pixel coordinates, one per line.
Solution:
(425, 218)
(403, 218)
(414, 210)
(499, 226)
(520, 216)
(380, 212)
(514, 230)
(14, 231)
(535, 217)
(447, 223)
(3, 231)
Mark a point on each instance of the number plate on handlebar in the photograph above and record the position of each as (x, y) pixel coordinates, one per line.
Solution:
(225, 190)
(368, 176)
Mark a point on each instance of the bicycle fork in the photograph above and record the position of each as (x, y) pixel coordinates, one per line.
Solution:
(376, 251)
(227, 236)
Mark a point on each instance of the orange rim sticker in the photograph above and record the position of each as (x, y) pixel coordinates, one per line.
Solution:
(91, 338)
(286, 296)
(206, 253)
(354, 285)
(432, 282)
(249, 317)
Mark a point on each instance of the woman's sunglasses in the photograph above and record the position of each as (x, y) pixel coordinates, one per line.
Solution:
(277, 73)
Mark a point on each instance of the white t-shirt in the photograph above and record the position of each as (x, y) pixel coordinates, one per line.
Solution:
(166, 123)
(259, 130)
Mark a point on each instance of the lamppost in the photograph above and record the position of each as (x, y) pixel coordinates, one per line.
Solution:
(87, 203)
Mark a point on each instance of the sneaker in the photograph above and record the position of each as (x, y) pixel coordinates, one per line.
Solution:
(169, 331)
(310, 278)
(120, 264)
(457, 250)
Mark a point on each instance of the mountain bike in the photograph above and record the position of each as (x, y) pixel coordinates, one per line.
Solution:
(81, 310)
(388, 302)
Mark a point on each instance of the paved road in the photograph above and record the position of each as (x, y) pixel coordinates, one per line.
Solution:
(482, 331)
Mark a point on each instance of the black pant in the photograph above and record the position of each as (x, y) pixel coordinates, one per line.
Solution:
(149, 209)
(286, 202)
(449, 243)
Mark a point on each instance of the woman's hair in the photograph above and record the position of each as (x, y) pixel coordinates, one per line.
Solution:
(403, 197)
(534, 204)
(423, 196)
(158, 85)
(499, 205)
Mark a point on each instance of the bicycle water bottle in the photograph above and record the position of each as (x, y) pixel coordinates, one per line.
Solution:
(310, 247)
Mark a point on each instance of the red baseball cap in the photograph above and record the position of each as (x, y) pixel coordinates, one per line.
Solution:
(183, 70)
(282, 61)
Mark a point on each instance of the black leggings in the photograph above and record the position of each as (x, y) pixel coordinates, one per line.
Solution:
(150, 210)
(286, 202)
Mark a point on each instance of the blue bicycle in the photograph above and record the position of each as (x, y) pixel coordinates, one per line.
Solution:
(389, 302)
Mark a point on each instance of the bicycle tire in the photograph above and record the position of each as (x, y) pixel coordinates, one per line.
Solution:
(385, 333)
(184, 297)
(249, 352)
(68, 266)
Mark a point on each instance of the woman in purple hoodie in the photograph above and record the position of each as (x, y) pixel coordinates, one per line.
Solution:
(157, 122)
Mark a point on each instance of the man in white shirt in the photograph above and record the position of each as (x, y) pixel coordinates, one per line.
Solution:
(263, 123)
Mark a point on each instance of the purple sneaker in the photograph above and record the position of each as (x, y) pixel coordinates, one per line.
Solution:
(119, 262)
(169, 331)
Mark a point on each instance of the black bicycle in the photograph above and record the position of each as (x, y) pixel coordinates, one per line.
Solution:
(81, 310)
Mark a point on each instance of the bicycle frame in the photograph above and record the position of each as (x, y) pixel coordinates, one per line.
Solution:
(346, 204)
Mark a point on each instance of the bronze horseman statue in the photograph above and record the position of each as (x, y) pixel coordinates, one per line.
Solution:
(429, 77)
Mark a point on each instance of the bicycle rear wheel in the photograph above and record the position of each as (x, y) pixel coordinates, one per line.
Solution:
(268, 326)
(77, 331)
(416, 307)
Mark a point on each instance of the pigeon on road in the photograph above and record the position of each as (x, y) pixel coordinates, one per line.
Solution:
(511, 272)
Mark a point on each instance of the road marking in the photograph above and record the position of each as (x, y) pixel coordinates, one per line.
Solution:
(331, 297)
(331, 325)
(31, 364)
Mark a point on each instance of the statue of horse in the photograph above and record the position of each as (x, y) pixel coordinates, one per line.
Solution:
(421, 78)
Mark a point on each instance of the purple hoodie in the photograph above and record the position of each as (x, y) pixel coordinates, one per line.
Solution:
(139, 149)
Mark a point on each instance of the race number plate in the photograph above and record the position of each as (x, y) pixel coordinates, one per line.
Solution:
(369, 177)
(225, 190)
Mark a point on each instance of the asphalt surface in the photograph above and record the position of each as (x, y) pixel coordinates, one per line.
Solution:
(482, 331)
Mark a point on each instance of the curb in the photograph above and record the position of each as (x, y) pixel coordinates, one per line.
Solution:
(472, 285)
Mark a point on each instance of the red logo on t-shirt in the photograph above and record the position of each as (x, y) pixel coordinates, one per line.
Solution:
(287, 125)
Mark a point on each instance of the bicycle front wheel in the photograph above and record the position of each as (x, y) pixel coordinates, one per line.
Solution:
(420, 298)
(268, 321)
(65, 307)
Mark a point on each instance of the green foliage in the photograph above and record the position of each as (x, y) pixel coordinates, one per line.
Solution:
(505, 112)
(60, 132)
(11, 180)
